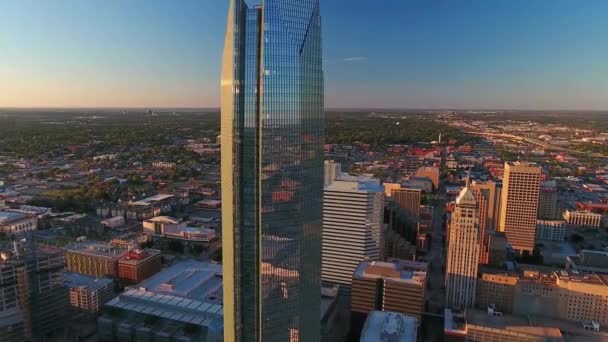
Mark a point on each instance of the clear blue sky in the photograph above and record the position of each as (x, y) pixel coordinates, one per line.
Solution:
(519, 54)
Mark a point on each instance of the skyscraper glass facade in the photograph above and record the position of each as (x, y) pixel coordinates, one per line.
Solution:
(272, 170)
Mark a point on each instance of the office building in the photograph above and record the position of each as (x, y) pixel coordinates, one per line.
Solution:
(519, 204)
(393, 286)
(389, 326)
(483, 201)
(547, 201)
(582, 218)
(422, 183)
(551, 230)
(352, 228)
(332, 172)
(34, 299)
(498, 248)
(496, 287)
(17, 223)
(463, 252)
(138, 265)
(390, 187)
(431, 173)
(93, 258)
(395, 246)
(88, 294)
(409, 200)
(181, 303)
(272, 170)
(491, 192)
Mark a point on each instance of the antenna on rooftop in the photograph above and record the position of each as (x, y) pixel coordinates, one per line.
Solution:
(468, 183)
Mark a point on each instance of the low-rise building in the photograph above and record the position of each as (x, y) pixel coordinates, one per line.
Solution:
(191, 309)
(163, 165)
(582, 218)
(551, 230)
(588, 261)
(172, 228)
(487, 326)
(17, 223)
(389, 326)
(94, 259)
(113, 222)
(87, 293)
(138, 265)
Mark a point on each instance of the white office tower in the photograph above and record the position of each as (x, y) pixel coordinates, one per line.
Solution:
(353, 213)
(463, 252)
(333, 171)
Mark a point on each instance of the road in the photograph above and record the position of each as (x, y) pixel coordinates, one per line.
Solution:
(537, 142)
(433, 326)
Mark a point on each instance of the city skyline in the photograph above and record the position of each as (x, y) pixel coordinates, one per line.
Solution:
(422, 54)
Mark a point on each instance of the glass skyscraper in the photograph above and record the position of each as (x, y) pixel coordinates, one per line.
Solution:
(272, 171)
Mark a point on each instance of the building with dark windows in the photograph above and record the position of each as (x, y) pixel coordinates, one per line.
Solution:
(34, 299)
(272, 170)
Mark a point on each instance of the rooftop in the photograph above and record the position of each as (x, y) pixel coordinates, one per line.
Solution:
(80, 280)
(96, 248)
(165, 219)
(356, 185)
(137, 256)
(517, 324)
(590, 258)
(9, 216)
(188, 291)
(385, 326)
(394, 269)
(188, 279)
(151, 200)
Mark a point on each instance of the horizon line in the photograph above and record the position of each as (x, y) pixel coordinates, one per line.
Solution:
(427, 109)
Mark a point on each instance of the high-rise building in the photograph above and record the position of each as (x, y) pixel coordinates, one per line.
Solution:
(497, 248)
(491, 192)
(519, 204)
(482, 198)
(34, 299)
(272, 125)
(332, 171)
(431, 173)
(409, 200)
(352, 228)
(463, 252)
(547, 201)
(395, 285)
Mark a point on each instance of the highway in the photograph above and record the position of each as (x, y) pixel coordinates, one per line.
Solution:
(536, 142)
